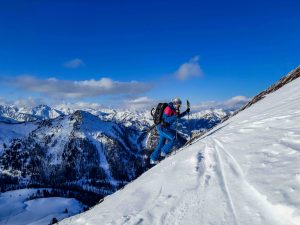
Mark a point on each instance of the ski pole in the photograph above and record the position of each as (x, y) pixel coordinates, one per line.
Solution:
(189, 128)
(176, 127)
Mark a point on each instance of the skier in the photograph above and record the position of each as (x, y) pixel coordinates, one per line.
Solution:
(170, 114)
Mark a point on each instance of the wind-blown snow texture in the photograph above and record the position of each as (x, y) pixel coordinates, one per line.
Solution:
(244, 171)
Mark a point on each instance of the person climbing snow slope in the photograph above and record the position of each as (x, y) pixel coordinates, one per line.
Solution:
(167, 135)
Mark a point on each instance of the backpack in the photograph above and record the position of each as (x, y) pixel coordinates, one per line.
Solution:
(158, 113)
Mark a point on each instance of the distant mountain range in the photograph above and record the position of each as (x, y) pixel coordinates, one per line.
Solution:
(15, 114)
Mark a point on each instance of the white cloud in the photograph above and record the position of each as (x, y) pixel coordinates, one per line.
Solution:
(62, 89)
(140, 100)
(105, 83)
(189, 69)
(237, 100)
(2, 101)
(230, 104)
(74, 63)
(140, 103)
(27, 102)
(68, 107)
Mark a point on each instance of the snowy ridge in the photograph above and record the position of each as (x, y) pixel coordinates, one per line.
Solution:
(244, 171)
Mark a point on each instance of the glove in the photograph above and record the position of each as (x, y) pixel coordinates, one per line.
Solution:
(188, 110)
(177, 112)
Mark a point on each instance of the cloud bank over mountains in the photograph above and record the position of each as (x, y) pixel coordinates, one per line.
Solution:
(62, 89)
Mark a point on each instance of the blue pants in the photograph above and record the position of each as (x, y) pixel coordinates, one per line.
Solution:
(164, 134)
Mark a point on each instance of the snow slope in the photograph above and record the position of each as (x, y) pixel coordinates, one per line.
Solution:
(245, 171)
(15, 209)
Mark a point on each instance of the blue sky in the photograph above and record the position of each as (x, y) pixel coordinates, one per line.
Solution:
(121, 52)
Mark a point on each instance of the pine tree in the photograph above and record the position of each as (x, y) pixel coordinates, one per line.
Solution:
(54, 220)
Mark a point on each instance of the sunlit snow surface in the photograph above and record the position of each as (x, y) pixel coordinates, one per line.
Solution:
(245, 171)
(15, 209)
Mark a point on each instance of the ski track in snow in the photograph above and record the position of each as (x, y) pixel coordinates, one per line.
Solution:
(243, 172)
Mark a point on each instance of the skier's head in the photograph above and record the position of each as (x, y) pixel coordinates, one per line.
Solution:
(176, 103)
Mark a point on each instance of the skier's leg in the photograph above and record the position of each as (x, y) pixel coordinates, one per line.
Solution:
(170, 136)
(156, 153)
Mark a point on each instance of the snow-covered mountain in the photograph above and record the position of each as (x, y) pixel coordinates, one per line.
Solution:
(15, 114)
(98, 152)
(197, 122)
(244, 171)
(140, 120)
(128, 118)
(44, 112)
(61, 145)
(79, 149)
(92, 153)
(12, 114)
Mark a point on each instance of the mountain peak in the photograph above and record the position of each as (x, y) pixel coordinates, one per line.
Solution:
(81, 115)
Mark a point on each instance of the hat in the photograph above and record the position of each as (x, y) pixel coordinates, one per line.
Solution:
(176, 101)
